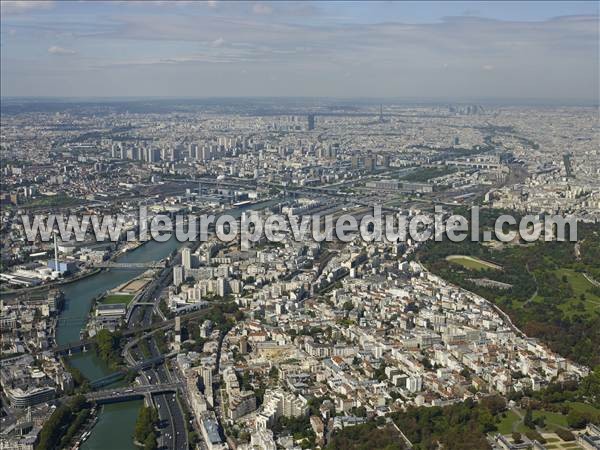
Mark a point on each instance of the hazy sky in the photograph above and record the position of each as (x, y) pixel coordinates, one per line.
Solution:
(540, 50)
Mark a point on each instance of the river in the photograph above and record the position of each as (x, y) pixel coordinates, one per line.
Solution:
(115, 427)
(116, 422)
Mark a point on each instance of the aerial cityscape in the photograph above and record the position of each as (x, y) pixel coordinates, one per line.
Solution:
(150, 329)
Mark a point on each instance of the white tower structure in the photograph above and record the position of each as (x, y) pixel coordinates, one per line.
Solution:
(55, 252)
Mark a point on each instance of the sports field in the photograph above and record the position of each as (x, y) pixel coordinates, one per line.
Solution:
(471, 263)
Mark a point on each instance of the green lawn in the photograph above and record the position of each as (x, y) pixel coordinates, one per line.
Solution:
(505, 425)
(584, 407)
(552, 418)
(471, 263)
(580, 286)
(521, 428)
(115, 298)
(52, 200)
(552, 421)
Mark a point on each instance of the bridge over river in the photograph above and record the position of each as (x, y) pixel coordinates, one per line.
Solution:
(118, 375)
(130, 393)
(130, 265)
(85, 344)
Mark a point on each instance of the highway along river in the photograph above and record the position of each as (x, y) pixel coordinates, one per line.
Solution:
(117, 421)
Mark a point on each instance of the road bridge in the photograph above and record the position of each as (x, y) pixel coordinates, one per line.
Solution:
(128, 393)
(116, 376)
(131, 265)
(75, 347)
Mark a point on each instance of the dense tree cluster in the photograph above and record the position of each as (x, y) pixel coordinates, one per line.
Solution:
(224, 315)
(465, 425)
(62, 425)
(540, 301)
(459, 426)
(558, 397)
(299, 428)
(369, 436)
(81, 383)
(144, 433)
(108, 348)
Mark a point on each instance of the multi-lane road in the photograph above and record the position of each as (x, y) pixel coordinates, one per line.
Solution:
(173, 433)
(178, 437)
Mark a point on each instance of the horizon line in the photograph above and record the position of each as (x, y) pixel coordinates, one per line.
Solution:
(416, 99)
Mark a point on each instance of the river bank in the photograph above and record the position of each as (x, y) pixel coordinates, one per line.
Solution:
(78, 301)
(54, 285)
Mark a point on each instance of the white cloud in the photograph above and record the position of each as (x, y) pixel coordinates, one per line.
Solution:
(55, 50)
(403, 57)
(22, 6)
(218, 42)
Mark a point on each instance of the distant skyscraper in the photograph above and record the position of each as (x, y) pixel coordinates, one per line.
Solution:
(116, 150)
(311, 122)
(177, 275)
(206, 153)
(155, 155)
(222, 287)
(207, 377)
(55, 253)
(186, 257)
(193, 151)
(386, 161)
